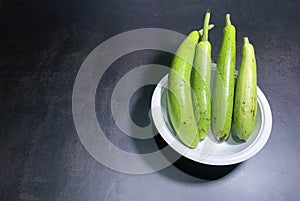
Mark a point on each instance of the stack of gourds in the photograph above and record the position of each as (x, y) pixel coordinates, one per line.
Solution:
(191, 107)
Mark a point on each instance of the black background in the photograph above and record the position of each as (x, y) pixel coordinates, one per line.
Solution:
(42, 46)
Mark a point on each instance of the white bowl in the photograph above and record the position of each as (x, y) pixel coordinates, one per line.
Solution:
(209, 151)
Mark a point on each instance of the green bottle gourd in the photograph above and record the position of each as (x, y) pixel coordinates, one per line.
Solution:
(179, 98)
(201, 75)
(245, 103)
(223, 88)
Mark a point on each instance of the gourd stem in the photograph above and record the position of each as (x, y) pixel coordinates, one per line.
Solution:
(246, 40)
(228, 22)
(205, 27)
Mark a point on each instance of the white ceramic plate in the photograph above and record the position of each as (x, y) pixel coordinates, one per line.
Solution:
(209, 151)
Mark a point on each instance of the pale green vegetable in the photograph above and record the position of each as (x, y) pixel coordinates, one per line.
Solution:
(245, 104)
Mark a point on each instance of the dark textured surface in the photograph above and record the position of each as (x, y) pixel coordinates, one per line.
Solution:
(42, 46)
